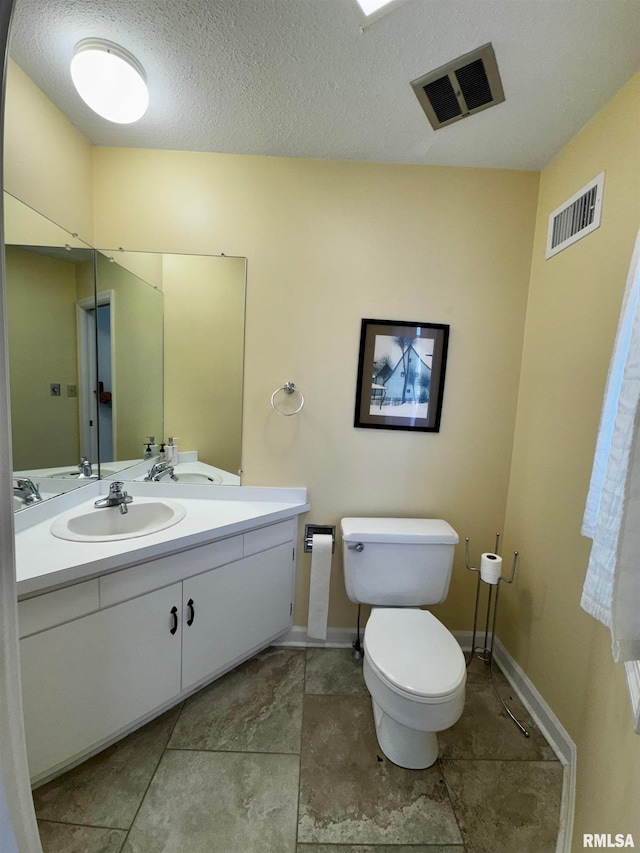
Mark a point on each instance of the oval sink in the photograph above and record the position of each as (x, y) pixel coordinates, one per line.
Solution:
(107, 524)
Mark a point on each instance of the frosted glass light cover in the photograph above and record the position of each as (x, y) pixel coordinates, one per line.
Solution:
(371, 6)
(374, 9)
(110, 80)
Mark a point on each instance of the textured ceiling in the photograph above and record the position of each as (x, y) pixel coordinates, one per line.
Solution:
(302, 78)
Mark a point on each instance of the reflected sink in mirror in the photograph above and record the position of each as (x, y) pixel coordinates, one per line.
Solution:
(195, 477)
(75, 475)
(199, 473)
(19, 504)
(107, 524)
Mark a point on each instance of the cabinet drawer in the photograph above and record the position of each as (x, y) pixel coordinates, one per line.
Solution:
(54, 608)
(268, 537)
(155, 574)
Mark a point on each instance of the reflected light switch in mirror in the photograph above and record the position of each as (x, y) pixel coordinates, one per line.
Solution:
(72, 391)
(55, 389)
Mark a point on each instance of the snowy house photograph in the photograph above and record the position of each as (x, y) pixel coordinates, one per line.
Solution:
(401, 375)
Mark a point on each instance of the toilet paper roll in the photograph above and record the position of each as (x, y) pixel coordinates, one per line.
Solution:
(321, 545)
(490, 568)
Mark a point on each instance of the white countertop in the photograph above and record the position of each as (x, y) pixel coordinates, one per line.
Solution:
(44, 562)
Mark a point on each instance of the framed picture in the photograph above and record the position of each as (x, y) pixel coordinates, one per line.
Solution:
(401, 375)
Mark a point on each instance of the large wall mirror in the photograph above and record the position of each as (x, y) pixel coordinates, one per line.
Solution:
(175, 354)
(108, 348)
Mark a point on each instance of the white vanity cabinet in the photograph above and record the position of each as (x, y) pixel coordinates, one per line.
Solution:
(135, 641)
(229, 612)
(88, 679)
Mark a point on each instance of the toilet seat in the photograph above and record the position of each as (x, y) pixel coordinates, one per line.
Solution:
(414, 655)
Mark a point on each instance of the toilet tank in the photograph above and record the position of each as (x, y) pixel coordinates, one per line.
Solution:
(397, 562)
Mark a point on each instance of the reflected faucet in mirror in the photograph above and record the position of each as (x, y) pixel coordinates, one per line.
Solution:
(85, 469)
(26, 490)
(160, 470)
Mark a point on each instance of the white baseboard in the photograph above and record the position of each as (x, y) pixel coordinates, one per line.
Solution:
(337, 638)
(541, 713)
(555, 733)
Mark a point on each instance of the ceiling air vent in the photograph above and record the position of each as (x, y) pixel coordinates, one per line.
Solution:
(576, 218)
(460, 88)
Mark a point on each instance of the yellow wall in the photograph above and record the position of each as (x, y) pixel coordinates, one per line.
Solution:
(41, 310)
(48, 163)
(136, 334)
(203, 355)
(574, 303)
(328, 244)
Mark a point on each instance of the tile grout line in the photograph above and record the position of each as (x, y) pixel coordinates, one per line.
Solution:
(448, 789)
(304, 694)
(87, 825)
(152, 777)
(227, 751)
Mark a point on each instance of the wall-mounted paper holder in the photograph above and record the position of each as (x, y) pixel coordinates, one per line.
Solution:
(310, 529)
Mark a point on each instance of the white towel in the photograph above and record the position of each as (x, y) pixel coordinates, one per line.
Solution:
(611, 590)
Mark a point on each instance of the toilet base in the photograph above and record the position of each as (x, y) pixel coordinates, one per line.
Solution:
(406, 747)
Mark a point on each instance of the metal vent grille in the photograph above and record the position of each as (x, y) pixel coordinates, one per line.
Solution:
(576, 218)
(474, 84)
(461, 88)
(442, 97)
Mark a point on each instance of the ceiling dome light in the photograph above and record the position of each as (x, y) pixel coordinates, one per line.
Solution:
(110, 80)
(374, 9)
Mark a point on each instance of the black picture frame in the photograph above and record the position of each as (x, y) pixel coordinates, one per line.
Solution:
(401, 372)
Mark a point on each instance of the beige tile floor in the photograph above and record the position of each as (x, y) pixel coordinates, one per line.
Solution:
(280, 756)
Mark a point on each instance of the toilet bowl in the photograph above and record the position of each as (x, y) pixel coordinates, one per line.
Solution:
(413, 667)
(415, 672)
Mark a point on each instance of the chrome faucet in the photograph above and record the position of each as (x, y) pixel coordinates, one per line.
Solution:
(85, 467)
(160, 470)
(27, 491)
(116, 497)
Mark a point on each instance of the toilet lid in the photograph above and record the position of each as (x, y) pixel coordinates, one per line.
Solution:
(414, 652)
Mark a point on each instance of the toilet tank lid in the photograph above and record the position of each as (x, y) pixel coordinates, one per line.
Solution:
(412, 531)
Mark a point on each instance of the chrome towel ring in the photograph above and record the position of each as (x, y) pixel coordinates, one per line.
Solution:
(288, 388)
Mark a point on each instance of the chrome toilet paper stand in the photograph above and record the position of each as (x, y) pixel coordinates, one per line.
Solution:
(485, 653)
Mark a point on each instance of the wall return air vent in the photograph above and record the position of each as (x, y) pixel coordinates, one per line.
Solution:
(576, 218)
(460, 88)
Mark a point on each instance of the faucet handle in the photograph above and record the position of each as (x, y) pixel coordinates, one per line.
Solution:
(115, 488)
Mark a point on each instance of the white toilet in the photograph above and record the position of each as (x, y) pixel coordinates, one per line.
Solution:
(413, 666)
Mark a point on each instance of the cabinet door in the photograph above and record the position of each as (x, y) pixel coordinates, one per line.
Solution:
(84, 681)
(234, 611)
